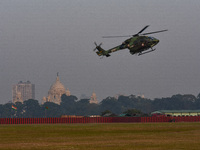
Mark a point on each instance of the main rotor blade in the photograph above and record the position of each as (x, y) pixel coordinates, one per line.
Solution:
(154, 32)
(127, 35)
(143, 29)
(95, 43)
(135, 34)
(116, 36)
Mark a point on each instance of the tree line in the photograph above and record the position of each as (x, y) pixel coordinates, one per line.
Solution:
(129, 105)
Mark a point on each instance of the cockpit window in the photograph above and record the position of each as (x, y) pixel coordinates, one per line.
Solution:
(152, 38)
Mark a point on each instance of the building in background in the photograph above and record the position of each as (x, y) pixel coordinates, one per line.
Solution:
(23, 91)
(55, 92)
(176, 113)
(93, 99)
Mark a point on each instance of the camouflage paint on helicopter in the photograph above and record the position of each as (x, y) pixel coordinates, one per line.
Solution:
(136, 44)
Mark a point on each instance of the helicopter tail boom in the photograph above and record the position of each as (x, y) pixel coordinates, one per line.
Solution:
(101, 51)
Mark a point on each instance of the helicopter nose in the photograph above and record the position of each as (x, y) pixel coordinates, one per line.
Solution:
(156, 41)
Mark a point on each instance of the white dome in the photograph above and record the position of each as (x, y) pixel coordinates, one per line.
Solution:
(57, 87)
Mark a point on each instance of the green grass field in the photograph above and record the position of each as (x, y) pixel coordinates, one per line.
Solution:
(150, 136)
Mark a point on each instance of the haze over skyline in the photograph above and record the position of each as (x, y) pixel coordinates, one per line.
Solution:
(39, 38)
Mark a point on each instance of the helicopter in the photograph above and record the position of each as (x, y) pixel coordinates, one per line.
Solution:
(137, 44)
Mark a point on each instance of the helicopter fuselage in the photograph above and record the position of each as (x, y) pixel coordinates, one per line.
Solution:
(141, 43)
(136, 44)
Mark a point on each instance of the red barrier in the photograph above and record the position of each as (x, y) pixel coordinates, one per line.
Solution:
(98, 120)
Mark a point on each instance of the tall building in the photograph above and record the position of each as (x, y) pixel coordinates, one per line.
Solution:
(56, 90)
(23, 91)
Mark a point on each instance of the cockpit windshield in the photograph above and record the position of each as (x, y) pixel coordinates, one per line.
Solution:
(152, 38)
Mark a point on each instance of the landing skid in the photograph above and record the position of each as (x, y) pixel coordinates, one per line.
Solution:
(146, 52)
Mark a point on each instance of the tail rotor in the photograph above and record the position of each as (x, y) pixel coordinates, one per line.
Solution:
(100, 51)
(96, 48)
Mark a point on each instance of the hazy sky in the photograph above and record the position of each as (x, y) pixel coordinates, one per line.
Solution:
(39, 38)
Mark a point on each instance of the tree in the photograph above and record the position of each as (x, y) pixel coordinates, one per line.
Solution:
(7, 111)
(68, 104)
(126, 102)
(19, 112)
(32, 109)
(197, 102)
(198, 96)
(82, 107)
(93, 109)
(112, 104)
(50, 109)
(1, 110)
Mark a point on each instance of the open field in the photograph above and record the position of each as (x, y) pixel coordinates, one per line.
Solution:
(142, 136)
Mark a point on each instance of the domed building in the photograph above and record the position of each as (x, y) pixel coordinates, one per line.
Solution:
(55, 92)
